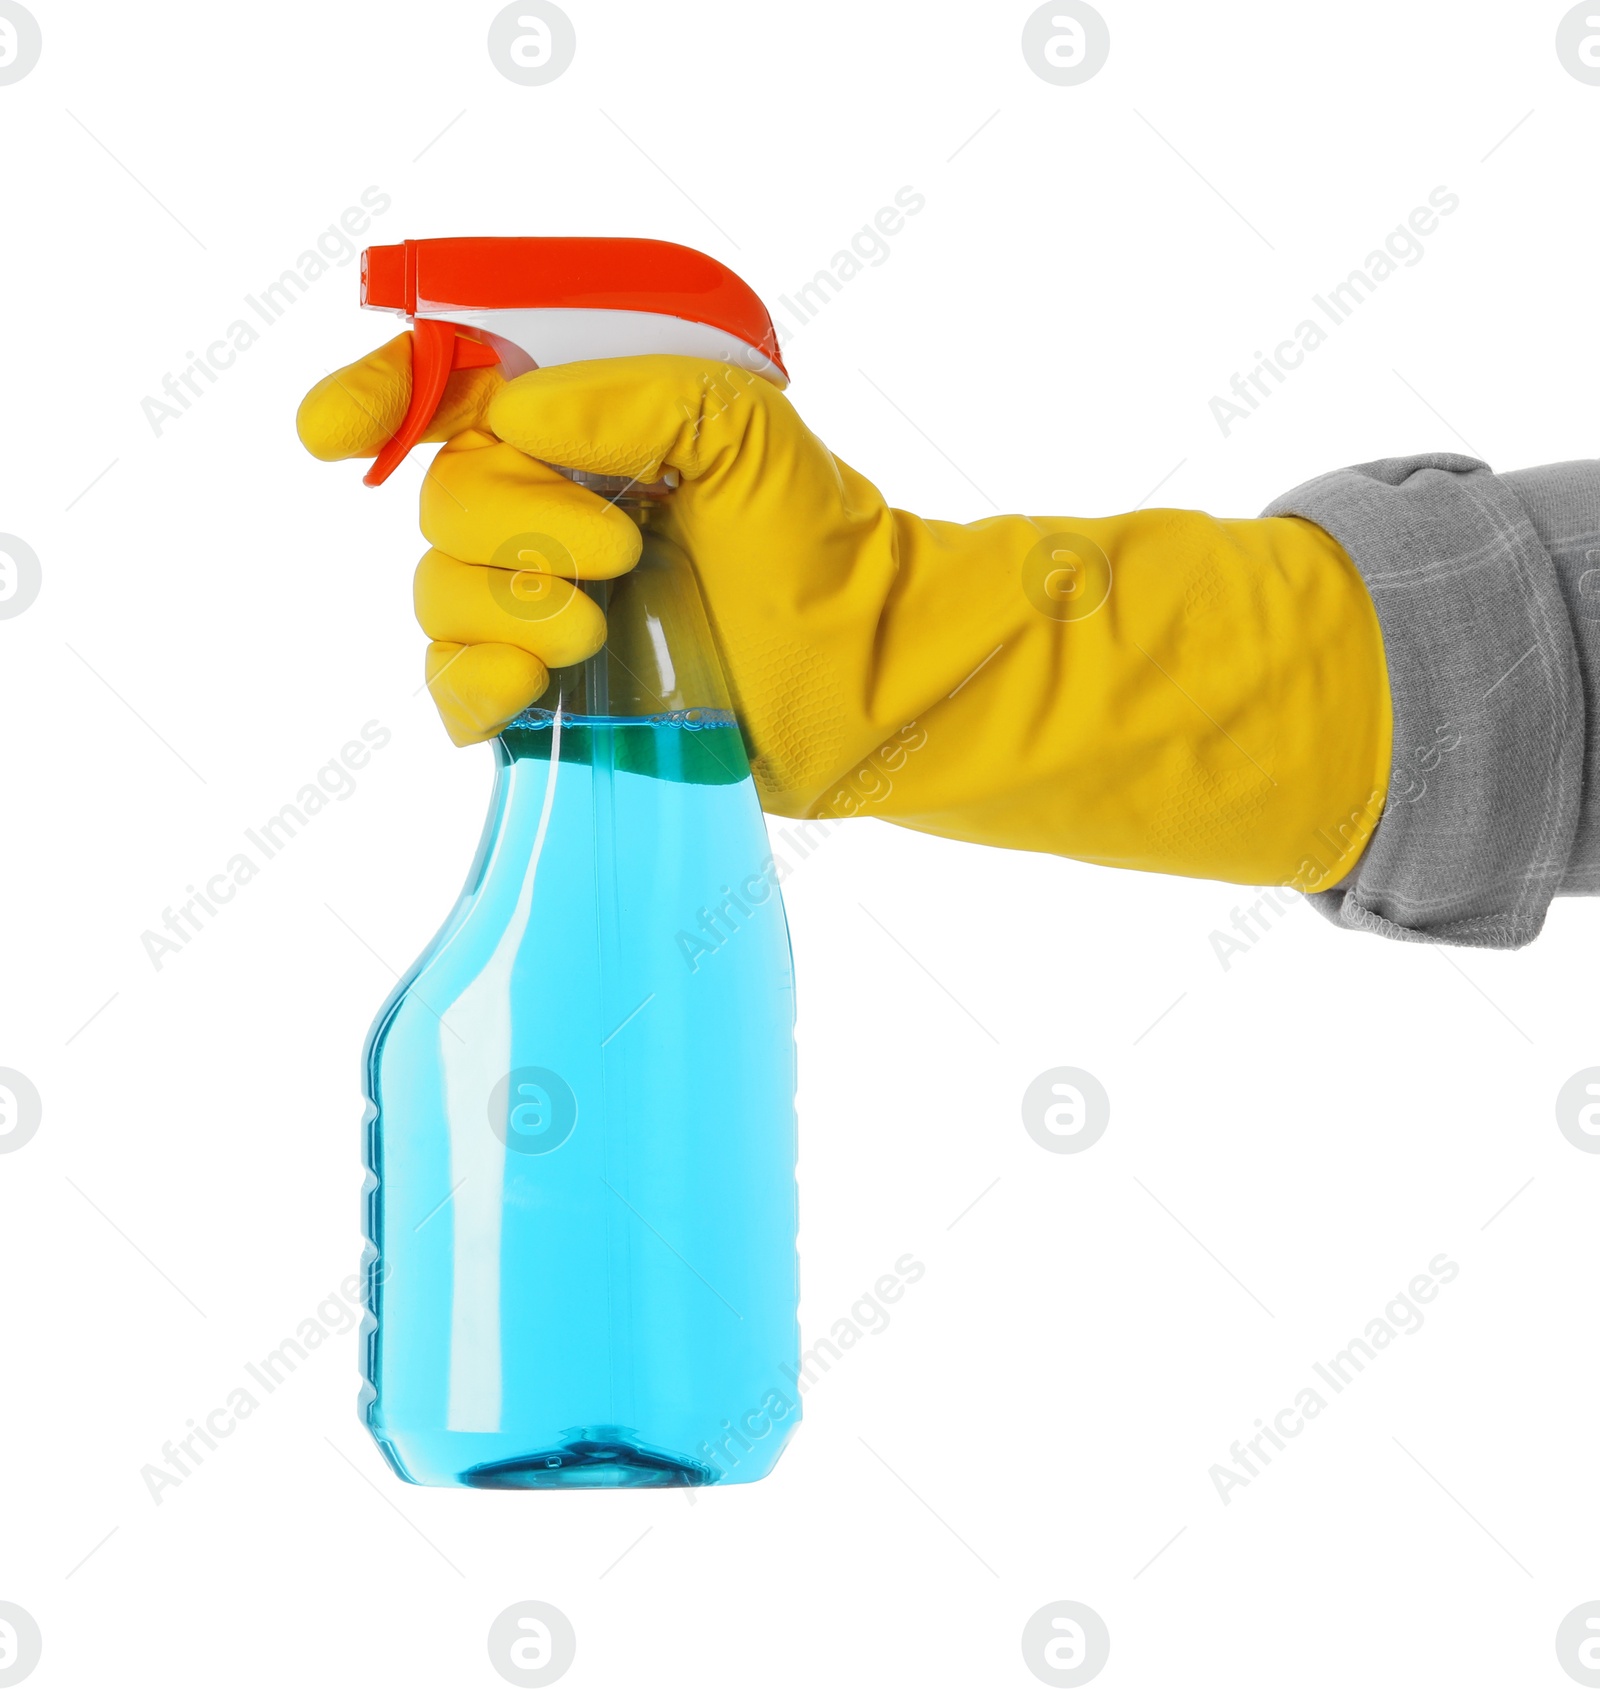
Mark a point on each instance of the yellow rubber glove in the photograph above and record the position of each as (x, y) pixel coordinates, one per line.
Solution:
(1162, 690)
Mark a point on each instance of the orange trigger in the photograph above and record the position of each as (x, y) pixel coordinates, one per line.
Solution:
(437, 348)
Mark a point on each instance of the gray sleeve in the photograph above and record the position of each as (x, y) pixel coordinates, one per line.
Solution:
(1487, 589)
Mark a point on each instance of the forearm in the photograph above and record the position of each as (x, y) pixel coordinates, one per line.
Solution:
(1161, 690)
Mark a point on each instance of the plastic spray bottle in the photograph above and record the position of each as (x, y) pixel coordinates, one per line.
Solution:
(580, 1133)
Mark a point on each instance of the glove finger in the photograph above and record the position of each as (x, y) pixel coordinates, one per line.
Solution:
(352, 412)
(635, 416)
(485, 502)
(477, 689)
(538, 612)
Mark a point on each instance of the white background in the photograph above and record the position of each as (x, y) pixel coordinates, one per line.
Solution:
(1299, 1133)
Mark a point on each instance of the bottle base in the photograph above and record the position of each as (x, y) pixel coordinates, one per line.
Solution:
(601, 1457)
(594, 1457)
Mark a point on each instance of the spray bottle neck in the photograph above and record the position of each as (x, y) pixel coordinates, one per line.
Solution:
(659, 663)
(627, 492)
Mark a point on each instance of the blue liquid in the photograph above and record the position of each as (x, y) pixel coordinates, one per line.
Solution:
(581, 1133)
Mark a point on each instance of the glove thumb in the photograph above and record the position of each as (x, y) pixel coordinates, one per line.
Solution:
(353, 411)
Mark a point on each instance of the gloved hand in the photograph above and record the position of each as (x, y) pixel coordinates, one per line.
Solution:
(1161, 690)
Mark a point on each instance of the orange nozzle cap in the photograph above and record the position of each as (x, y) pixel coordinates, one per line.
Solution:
(565, 272)
(432, 281)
